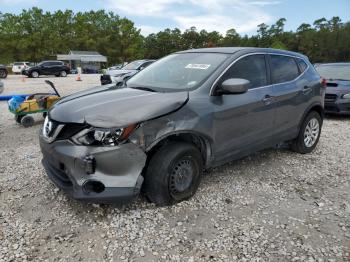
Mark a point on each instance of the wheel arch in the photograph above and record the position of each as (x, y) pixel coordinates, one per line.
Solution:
(200, 141)
(314, 107)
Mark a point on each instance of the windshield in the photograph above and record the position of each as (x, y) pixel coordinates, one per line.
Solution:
(133, 65)
(336, 72)
(178, 71)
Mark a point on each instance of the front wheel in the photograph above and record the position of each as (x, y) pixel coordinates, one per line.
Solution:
(27, 121)
(3, 73)
(309, 134)
(173, 174)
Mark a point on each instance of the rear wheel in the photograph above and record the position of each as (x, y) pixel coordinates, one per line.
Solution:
(173, 174)
(63, 74)
(34, 74)
(309, 134)
(27, 121)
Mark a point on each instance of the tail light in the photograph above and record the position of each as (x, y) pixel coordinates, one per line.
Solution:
(324, 82)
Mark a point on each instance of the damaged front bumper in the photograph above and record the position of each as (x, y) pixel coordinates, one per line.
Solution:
(95, 174)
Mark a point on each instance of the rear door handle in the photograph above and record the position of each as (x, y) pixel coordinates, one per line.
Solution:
(268, 99)
(306, 89)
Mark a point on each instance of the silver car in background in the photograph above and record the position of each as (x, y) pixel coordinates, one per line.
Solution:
(1, 87)
(337, 76)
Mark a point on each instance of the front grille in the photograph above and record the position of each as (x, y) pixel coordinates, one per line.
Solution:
(330, 97)
(70, 130)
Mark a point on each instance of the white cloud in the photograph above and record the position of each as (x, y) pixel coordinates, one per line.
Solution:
(16, 2)
(143, 7)
(147, 30)
(264, 3)
(218, 15)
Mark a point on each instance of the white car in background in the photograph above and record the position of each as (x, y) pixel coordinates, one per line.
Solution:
(17, 67)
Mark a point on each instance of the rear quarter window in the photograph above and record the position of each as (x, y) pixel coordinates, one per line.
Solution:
(283, 68)
(302, 65)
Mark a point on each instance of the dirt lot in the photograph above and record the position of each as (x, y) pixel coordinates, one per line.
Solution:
(275, 205)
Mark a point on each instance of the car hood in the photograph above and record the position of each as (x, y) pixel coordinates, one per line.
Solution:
(108, 106)
(119, 72)
(337, 86)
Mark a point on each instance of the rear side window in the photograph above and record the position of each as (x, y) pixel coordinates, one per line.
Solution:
(252, 68)
(283, 69)
(302, 65)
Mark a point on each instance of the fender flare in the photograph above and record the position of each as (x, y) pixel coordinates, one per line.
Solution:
(204, 138)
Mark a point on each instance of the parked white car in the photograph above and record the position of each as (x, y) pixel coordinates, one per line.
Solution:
(17, 67)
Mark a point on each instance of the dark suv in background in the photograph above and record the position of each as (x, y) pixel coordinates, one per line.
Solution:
(57, 68)
(186, 112)
(337, 98)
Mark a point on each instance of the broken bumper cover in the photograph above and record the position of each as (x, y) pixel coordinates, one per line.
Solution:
(95, 174)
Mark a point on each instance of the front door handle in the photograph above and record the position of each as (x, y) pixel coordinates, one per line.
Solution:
(267, 100)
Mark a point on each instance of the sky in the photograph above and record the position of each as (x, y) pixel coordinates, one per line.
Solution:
(152, 16)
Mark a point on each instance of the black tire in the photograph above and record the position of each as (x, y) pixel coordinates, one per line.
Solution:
(299, 145)
(3, 73)
(27, 121)
(173, 173)
(34, 74)
(63, 74)
(18, 118)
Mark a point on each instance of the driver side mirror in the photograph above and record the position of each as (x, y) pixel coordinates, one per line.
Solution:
(141, 68)
(234, 86)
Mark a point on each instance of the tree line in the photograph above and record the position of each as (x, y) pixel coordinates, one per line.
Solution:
(35, 35)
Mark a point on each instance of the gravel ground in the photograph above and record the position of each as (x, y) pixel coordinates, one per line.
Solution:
(275, 205)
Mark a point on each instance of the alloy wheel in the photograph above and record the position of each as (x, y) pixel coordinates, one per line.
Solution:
(311, 133)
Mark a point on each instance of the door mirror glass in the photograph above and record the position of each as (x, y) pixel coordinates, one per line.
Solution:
(234, 86)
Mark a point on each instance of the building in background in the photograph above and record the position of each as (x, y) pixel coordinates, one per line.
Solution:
(89, 61)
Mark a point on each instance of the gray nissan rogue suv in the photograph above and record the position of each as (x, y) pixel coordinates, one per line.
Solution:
(184, 113)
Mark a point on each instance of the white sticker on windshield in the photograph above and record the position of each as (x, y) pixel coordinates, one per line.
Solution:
(198, 66)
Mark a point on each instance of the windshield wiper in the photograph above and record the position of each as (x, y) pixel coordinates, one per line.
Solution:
(143, 88)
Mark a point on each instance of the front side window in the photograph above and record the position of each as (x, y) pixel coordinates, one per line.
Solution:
(283, 69)
(252, 68)
(178, 72)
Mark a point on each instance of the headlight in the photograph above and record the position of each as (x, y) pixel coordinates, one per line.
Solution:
(346, 96)
(103, 136)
